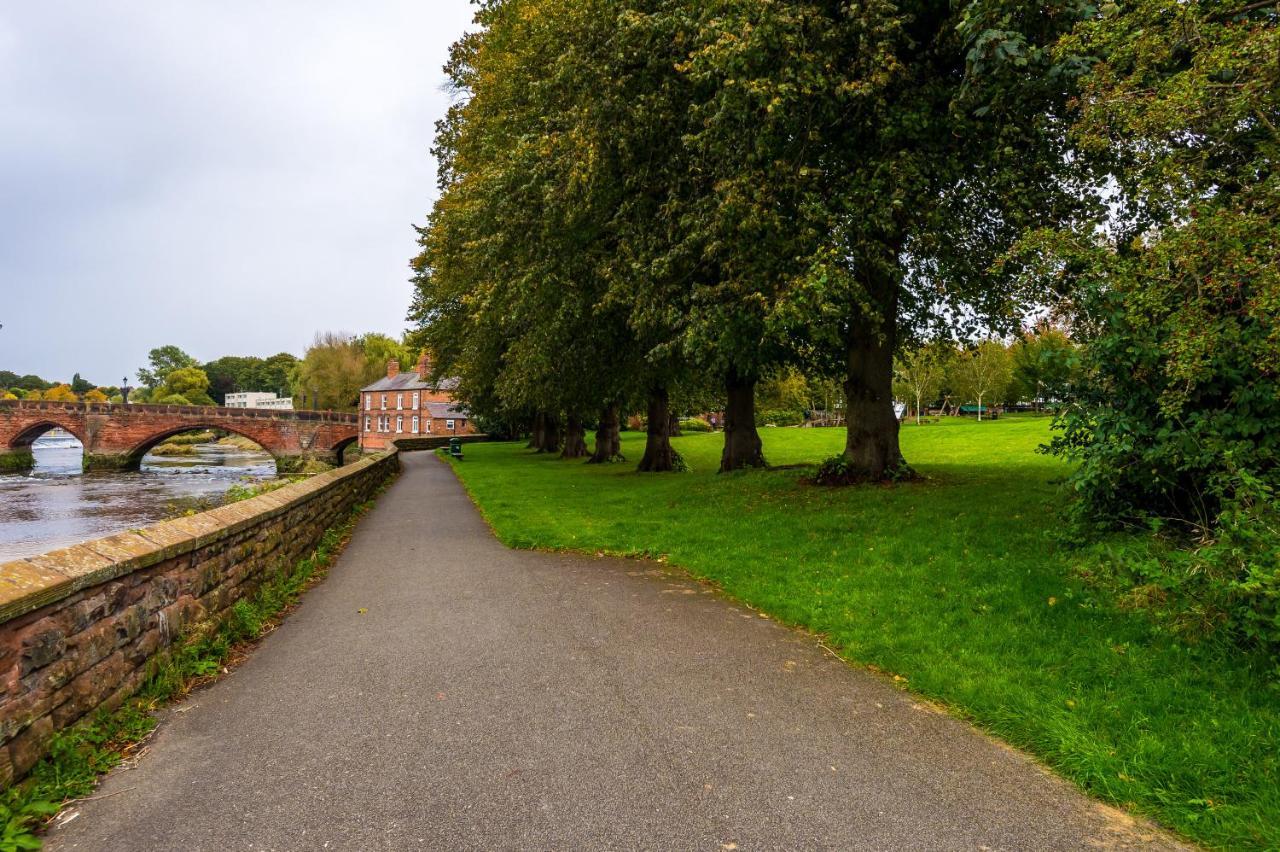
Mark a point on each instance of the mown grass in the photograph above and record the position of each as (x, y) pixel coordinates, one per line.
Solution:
(79, 756)
(959, 584)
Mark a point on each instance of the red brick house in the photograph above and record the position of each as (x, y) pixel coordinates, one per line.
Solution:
(406, 405)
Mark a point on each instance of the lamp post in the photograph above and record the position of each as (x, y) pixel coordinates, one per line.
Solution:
(124, 390)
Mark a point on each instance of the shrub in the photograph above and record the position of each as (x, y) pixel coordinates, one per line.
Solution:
(1228, 585)
(838, 471)
(779, 418)
(694, 424)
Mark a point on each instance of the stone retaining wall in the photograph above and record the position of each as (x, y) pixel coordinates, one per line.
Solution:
(79, 626)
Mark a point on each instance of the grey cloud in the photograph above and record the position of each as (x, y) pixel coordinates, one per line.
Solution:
(229, 177)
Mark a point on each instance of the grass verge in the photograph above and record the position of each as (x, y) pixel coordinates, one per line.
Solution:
(79, 756)
(958, 584)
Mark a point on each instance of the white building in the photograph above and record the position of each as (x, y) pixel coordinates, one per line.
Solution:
(254, 399)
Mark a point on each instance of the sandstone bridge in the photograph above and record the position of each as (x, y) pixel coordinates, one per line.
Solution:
(118, 436)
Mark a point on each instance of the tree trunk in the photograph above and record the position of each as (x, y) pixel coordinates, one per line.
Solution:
(742, 447)
(535, 434)
(575, 439)
(673, 427)
(979, 408)
(608, 438)
(546, 433)
(551, 435)
(658, 454)
(871, 441)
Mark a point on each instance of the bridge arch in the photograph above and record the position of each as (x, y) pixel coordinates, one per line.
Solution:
(340, 448)
(133, 457)
(25, 438)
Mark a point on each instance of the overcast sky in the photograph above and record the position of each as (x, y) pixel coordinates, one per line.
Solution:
(229, 177)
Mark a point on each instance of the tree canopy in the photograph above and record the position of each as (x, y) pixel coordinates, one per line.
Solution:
(162, 361)
(644, 195)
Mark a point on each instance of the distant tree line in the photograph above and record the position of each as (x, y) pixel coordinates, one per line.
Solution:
(328, 376)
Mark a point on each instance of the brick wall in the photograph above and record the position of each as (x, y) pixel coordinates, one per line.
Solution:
(78, 626)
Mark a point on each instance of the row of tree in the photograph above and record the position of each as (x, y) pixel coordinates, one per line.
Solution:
(648, 200)
(656, 199)
(13, 386)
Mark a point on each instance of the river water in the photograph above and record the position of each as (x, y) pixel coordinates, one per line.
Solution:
(55, 505)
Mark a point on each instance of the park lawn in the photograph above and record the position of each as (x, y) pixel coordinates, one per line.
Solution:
(957, 584)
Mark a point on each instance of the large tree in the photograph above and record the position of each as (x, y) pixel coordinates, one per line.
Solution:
(332, 372)
(982, 373)
(919, 373)
(231, 374)
(162, 361)
(189, 383)
(918, 140)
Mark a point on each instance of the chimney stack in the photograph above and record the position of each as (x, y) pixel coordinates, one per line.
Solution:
(424, 366)
(393, 368)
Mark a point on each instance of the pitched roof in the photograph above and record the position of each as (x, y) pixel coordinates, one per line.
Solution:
(409, 381)
(445, 411)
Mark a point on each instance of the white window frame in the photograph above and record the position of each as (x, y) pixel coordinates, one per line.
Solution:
(415, 424)
(429, 421)
(399, 424)
(448, 425)
(384, 402)
(368, 402)
(368, 423)
(416, 397)
(399, 402)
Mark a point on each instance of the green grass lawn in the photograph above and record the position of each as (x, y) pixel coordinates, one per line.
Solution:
(956, 584)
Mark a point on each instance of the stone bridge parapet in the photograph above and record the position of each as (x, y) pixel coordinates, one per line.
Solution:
(118, 436)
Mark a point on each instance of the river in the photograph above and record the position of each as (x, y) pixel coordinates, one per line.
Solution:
(55, 505)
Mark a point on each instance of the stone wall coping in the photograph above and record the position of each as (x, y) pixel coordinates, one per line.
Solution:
(37, 581)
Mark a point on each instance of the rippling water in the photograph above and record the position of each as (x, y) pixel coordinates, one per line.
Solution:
(55, 505)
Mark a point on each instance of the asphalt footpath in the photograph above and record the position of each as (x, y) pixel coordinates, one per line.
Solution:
(439, 691)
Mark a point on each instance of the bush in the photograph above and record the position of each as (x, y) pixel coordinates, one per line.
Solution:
(1227, 586)
(779, 418)
(838, 472)
(694, 424)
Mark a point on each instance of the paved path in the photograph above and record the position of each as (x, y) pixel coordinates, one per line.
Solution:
(493, 699)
